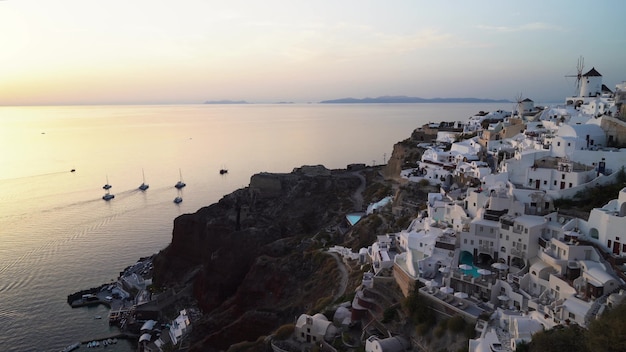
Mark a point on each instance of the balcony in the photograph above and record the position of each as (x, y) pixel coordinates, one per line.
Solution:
(487, 249)
(518, 253)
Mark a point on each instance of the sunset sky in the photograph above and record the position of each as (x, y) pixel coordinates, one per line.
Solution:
(189, 51)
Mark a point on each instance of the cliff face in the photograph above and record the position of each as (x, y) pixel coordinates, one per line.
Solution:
(251, 255)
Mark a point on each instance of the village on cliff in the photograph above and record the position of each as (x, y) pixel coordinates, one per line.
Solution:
(491, 247)
(499, 253)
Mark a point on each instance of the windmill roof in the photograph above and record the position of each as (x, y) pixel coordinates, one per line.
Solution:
(606, 89)
(527, 99)
(592, 73)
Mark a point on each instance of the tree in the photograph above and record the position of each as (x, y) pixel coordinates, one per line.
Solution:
(418, 308)
(608, 333)
(558, 339)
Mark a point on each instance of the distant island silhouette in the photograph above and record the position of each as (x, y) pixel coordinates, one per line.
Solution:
(405, 99)
(226, 102)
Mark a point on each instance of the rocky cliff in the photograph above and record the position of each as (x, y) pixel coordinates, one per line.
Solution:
(253, 256)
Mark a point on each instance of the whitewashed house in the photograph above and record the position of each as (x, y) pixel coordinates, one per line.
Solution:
(606, 225)
(313, 329)
(571, 138)
(389, 344)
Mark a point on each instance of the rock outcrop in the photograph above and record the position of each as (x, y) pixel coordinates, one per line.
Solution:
(254, 261)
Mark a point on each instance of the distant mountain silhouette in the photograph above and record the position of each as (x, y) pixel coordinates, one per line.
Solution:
(405, 99)
(225, 102)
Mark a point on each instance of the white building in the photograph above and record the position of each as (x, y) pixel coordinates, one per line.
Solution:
(180, 327)
(389, 344)
(313, 329)
(571, 138)
(606, 225)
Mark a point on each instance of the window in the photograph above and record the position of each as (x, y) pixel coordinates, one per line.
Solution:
(545, 182)
(570, 185)
(480, 241)
(491, 230)
(503, 249)
(558, 288)
(569, 144)
(465, 241)
(563, 177)
(500, 235)
(555, 182)
(472, 242)
(524, 247)
(558, 144)
(616, 238)
(530, 182)
(507, 237)
(572, 315)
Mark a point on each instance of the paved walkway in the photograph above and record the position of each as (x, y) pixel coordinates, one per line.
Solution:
(343, 283)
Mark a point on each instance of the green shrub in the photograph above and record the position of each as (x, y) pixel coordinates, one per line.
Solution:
(422, 329)
(456, 324)
(284, 332)
(389, 314)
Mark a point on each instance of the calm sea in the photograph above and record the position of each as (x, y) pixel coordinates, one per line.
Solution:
(58, 236)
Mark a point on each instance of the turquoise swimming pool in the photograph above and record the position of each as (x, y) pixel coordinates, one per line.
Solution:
(468, 258)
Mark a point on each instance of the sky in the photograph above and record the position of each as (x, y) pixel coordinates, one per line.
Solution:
(64, 52)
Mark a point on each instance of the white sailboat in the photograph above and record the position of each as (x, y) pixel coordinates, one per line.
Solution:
(143, 186)
(108, 196)
(180, 184)
(107, 186)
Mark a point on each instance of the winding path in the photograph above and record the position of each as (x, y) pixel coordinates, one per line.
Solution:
(343, 283)
(357, 197)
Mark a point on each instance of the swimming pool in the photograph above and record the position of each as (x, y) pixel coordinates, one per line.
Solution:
(468, 258)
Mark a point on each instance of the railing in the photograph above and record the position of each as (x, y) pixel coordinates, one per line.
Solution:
(488, 249)
(518, 253)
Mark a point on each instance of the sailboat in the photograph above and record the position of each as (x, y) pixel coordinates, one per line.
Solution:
(108, 196)
(107, 186)
(178, 199)
(143, 186)
(180, 184)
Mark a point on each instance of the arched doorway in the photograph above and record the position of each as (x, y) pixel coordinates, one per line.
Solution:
(594, 233)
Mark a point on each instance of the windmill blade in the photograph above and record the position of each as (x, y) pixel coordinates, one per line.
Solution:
(580, 65)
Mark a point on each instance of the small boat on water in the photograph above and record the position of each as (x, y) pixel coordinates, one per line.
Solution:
(107, 186)
(180, 184)
(108, 196)
(143, 186)
(178, 200)
(223, 171)
(71, 347)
